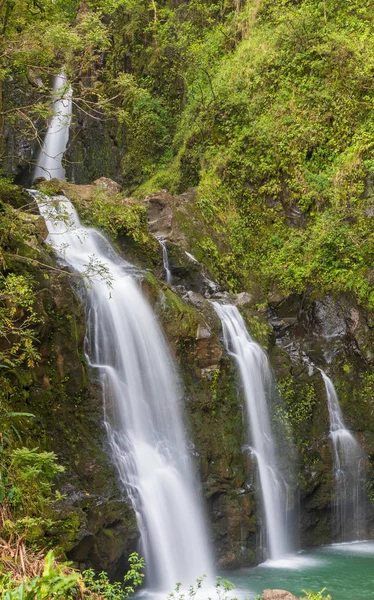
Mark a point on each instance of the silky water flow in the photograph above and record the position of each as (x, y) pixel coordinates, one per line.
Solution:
(349, 473)
(125, 345)
(255, 377)
(49, 162)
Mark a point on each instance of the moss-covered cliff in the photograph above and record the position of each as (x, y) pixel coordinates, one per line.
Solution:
(255, 118)
(300, 334)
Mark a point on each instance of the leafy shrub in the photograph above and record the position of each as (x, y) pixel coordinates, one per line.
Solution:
(99, 585)
(54, 582)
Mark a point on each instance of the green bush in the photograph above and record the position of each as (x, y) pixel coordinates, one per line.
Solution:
(53, 583)
(100, 585)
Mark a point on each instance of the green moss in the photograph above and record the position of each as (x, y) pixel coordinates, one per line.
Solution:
(14, 195)
(50, 187)
(274, 134)
(259, 329)
(180, 321)
(300, 404)
(121, 218)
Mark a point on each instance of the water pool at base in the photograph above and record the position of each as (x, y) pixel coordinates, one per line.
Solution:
(346, 570)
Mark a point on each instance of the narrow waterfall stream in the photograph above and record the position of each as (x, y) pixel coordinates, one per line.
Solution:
(125, 345)
(165, 260)
(255, 377)
(349, 503)
(49, 162)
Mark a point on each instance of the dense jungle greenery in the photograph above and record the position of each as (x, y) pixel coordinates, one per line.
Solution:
(264, 106)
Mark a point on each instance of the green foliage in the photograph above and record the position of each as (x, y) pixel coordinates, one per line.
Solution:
(157, 50)
(8, 433)
(259, 329)
(269, 113)
(223, 589)
(59, 581)
(18, 314)
(299, 405)
(17, 317)
(318, 596)
(28, 487)
(117, 216)
(100, 584)
(53, 583)
(32, 474)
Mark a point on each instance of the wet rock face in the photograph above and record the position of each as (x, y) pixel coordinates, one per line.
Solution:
(186, 270)
(160, 214)
(97, 149)
(321, 330)
(19, 143)
(208, 350)
(300, 334)
(335, 334)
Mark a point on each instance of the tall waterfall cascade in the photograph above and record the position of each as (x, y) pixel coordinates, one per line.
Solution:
(349, 472)
(49, 162)
(126, 347)
(255, 378)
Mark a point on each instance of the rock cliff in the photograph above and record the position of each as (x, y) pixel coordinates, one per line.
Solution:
(300, 334)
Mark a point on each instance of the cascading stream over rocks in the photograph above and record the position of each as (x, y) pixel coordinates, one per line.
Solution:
(126, 347)
(255, 377)
(349, 472)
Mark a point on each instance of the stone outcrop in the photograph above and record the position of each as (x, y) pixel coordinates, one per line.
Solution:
(111, 187)
(333, 333)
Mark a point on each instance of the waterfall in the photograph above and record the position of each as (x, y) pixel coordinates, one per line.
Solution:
(49, 162)
(191, 257)
(165, 259)
(255, 377)
(348, 469)
(126, 347)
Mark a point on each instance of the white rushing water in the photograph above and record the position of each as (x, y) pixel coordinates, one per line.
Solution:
(125, 345)
(49, 162)
(142, 404)
(348, 472)
(165, 259)
(256, 381)
(191, 257)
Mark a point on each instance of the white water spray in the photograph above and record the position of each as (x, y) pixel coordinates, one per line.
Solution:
(256, 381)
(348, 472)
(49, 163)
(141, 396)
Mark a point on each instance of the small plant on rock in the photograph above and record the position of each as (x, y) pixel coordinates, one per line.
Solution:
(318, 596)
